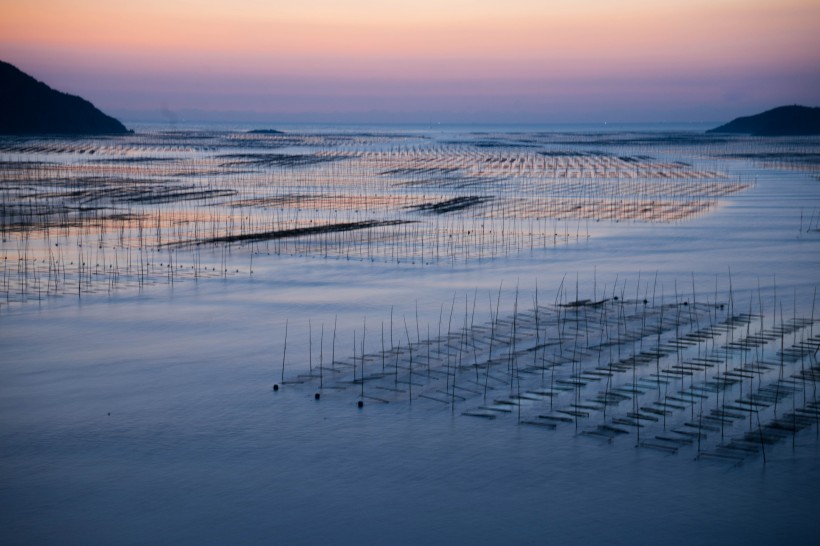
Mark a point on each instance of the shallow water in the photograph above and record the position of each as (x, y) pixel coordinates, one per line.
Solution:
(147, 415)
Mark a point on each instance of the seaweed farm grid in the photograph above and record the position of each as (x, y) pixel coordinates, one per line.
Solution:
(663, 375)
(85, 216)
(410, 336)
(88, 215)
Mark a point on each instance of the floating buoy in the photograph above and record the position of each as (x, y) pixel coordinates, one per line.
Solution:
(316, 396)
(360, 403)
(275, 387)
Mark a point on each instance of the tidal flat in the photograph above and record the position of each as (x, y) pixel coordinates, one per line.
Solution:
(399, 336)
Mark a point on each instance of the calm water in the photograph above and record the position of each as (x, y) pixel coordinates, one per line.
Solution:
(148, 416)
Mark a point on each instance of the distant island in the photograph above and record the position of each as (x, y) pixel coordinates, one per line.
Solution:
(30, 107)
(266, 132)
(783, 121)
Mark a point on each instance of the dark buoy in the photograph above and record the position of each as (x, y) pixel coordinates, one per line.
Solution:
(317, 396)
(275, 387)
(645, 301)
(360, 403)
(686, 303)
(615, 298)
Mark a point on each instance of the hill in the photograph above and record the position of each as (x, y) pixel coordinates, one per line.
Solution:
(783, 121)
(30, 107)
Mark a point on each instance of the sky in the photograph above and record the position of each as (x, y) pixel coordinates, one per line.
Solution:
(422, 61)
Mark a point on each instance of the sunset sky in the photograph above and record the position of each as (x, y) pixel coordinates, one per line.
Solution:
(538, 61)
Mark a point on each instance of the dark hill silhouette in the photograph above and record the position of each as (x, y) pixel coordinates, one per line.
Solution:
(783, 121)
(30, 107)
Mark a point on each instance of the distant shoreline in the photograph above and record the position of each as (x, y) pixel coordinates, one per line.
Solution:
(246, 126)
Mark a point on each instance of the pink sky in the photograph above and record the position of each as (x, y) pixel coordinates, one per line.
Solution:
(540, 61)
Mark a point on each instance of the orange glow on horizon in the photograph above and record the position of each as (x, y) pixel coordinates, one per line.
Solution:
(635, 29)
(480, 43)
